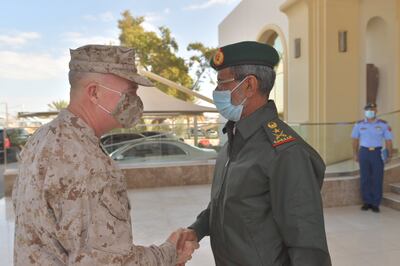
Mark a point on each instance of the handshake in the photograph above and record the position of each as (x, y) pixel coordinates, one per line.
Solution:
(186, 242)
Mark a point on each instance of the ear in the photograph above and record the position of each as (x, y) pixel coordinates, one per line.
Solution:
(252, 86)
(92, 92)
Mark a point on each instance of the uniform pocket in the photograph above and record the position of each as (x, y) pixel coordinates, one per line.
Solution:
(265, 238)
(116, 202)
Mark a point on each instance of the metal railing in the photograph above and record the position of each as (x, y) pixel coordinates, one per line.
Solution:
(332, 140)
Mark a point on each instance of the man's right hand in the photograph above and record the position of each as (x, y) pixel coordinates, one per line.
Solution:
(187, 235)
(355, 157)
(186, 243)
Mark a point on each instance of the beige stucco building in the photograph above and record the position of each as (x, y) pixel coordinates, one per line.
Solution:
(325, 46)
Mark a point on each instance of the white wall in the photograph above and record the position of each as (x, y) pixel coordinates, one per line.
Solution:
(248, 20)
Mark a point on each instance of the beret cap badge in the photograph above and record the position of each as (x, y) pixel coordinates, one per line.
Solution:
(219, 57)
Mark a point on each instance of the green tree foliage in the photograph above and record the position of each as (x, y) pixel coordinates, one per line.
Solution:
(201, 61)
(58, 105)
(156, 53)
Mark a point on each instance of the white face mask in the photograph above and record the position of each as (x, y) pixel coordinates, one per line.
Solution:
(128, 110)
(370, 114)
(223, 102)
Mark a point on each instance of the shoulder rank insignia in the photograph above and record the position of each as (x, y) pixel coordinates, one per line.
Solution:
(279, 135)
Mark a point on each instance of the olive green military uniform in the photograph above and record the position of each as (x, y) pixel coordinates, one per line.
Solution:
(265, 206)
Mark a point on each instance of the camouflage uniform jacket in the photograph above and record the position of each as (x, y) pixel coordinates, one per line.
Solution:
(71, 203)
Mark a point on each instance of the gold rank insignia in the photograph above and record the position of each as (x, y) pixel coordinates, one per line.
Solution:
(279, 135)
(272, 125)
(219, 58)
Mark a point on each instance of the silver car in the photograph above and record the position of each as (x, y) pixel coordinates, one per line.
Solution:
(161, 150)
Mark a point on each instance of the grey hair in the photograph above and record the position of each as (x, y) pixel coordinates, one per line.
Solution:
(264, 74)
(76, 78)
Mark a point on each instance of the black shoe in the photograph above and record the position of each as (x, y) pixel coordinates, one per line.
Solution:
(365, 207)
(375, 209)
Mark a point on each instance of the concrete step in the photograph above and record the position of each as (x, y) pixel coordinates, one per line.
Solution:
(391, 200)
(395, 188)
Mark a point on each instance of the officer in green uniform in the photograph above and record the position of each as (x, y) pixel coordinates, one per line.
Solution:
(266, 206)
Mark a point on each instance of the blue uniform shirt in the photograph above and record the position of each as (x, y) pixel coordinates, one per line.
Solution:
(371, 134)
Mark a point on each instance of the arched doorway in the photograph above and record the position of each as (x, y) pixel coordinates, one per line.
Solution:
(273, 36)
(377, 57)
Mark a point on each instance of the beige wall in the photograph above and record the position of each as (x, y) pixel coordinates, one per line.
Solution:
(340, 81)
(384, 53)
(298, 95)
(323, 79)
(332, 81)
(325, 85)
(336, 82)
(342, 72)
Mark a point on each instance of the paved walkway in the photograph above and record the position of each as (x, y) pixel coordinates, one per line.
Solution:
(355, 238)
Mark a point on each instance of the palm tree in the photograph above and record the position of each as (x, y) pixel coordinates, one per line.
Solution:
(58, 105)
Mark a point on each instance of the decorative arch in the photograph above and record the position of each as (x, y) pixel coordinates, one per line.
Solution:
(273, 35)
(377, 55)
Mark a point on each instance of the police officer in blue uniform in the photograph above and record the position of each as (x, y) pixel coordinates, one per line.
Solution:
(368, 136)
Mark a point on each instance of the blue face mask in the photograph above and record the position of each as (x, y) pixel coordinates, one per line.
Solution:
(223, 102)
(369, 114)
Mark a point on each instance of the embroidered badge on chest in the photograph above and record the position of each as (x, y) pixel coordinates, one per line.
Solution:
(280, 137)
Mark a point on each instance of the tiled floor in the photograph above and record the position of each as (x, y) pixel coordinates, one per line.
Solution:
(355, 238)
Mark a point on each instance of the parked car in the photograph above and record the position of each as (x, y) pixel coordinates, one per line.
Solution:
(157, 134)
(211, 133)
(200, 132)
(12, 142)
(113, 141)
(161, 150)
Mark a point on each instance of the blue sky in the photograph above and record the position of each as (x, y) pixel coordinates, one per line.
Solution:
(35, 37)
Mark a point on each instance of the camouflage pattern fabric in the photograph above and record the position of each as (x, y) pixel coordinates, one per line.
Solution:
(107, 59)
(129, 110)
(71, 203)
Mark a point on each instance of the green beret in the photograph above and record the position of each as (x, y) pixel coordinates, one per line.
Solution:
(245, 53)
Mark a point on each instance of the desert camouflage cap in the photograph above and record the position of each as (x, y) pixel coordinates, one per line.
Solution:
(107, 59)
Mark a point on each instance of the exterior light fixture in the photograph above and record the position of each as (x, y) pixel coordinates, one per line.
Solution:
(297, 48)
(342, 41)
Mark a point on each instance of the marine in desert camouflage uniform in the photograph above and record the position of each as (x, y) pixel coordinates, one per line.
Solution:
(70, 198)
